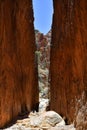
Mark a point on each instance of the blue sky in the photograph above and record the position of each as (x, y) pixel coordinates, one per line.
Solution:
(43, 11)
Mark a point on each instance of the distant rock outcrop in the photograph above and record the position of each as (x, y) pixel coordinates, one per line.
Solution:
(43, 58)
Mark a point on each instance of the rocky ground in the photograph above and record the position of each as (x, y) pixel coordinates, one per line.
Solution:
(42, 120)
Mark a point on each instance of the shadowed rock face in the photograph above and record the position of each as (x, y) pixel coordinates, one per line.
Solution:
(18, 74)
(68, 56)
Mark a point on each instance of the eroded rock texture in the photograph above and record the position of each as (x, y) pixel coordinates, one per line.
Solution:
(18, 75)
(68, 56)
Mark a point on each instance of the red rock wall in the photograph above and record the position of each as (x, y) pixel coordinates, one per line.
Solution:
(18, 74)
(68, 56)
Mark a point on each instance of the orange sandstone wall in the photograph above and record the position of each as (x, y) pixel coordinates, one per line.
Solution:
(18, 74)
(68, 56)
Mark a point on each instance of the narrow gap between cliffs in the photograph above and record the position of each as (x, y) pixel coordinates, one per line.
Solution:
(43, 13)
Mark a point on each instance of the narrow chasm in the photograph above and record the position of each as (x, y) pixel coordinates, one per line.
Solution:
(66, 91)
(43, 59)
(43, 16)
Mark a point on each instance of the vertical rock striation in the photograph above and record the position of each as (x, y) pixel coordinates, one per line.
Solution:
(18, 74)
(68, 56)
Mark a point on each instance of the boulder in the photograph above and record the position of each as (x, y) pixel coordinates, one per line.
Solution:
(46, 119)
